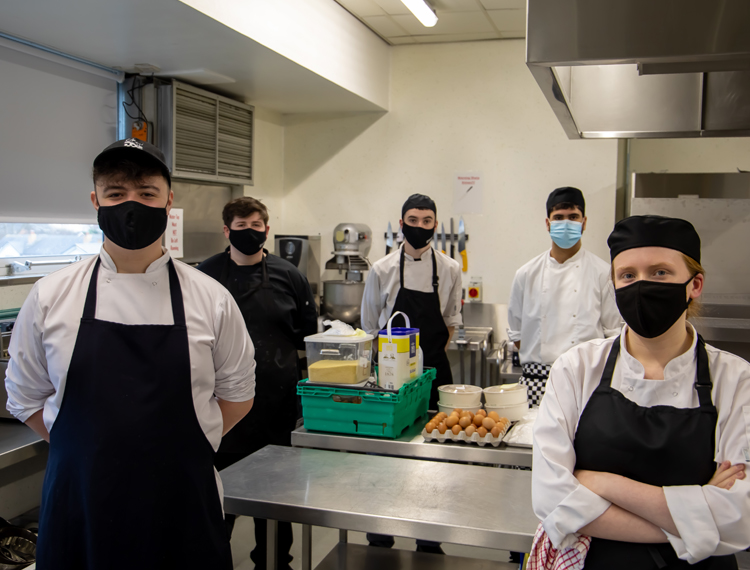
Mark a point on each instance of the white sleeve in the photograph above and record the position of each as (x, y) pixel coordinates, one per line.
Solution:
(515, 308)
(452, 315)
(233, 353)
(26, 379)
(371, 304)
(713, 521)
(559, 500)
(610, 318)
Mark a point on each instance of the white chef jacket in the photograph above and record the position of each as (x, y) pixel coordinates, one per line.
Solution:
(711, 521)
(384, 283)
(555, 306)
(44, 335)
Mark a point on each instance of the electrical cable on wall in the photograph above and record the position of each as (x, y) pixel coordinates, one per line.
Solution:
(141, 128)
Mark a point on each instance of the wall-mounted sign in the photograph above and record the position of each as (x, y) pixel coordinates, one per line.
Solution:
(173, 237)
(467, 193)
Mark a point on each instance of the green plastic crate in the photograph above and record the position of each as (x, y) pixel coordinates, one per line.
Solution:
(377, 414)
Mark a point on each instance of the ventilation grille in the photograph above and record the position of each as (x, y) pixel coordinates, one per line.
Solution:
(213, 136)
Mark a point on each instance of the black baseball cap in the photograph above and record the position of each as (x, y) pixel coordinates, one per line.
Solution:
(566, 194)
(420, 202)
(139, 151)
(655, 231)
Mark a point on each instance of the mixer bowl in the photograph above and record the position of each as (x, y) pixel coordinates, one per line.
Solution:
(342, 300)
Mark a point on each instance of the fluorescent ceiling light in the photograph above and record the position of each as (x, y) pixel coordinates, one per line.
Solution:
(422, 11)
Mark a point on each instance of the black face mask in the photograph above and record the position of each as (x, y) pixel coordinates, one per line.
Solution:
(416, 236)
(247, 241)
(651, 307)
(132, 225)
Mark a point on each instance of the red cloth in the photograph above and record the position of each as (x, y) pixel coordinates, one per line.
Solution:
(544, 556)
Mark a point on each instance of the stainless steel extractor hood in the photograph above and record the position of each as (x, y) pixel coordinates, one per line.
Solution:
(643, 68)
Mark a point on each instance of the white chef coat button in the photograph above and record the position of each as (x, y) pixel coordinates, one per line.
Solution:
(153, 283)
(630, 389)
(574, 316)
(674, 393)
(575, 290)
(109, 281)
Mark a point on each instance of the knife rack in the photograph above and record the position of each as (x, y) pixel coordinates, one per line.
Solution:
(437, 235)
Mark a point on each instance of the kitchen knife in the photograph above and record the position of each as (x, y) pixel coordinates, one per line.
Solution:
(453, 251)
(442, 237)
(389, 239)
(462, 245)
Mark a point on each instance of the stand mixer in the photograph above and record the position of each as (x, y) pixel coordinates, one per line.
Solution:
(342, 298)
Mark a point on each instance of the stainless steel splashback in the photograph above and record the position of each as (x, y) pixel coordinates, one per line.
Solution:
(202, 205)
(643, 69)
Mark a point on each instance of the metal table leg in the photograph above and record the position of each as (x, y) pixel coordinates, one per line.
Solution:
(306, 547)
(473, 369)
(343, 535)
(272, 541)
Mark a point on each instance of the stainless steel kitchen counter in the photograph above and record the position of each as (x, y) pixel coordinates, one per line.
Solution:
(19, 442)
(412, 445)
(445, 502)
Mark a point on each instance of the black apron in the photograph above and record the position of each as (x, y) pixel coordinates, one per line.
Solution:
(660, 445)
(276, 367)
(424, 313)
(130, 480)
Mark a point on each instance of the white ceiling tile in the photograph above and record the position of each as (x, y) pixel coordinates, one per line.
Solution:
(445, 38)
(384, 26)
(393, 7)
(455, 5)
(362, 8)
(503, 4)
(448, 23)
(508, 20)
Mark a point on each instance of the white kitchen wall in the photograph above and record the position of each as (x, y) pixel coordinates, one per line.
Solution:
(268, 165)
(454, 107)
(690, 155)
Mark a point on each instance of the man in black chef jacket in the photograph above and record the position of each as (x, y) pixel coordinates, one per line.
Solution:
(425, 284)
(131, 365)
(279, 311)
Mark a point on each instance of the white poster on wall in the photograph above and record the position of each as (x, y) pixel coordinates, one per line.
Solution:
(173, 237)
(467, 192)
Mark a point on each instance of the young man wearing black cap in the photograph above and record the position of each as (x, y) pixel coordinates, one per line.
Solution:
(279, 311)
(425, 284)
(132, 366)
(562, 297)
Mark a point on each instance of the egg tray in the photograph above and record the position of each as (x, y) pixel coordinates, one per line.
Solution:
(450, 436)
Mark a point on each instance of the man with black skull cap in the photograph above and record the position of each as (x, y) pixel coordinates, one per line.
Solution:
(425, 284)
(132, 365)
(562, 297)
(421, 282)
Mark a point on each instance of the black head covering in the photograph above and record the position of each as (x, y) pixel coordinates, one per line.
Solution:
(566, 194)
(655, 231)
(419, 201)
(137, 151)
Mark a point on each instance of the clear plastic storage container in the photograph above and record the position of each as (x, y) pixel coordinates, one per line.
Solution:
(333, 359)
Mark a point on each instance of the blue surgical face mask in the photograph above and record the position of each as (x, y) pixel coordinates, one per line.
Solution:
(565, 233)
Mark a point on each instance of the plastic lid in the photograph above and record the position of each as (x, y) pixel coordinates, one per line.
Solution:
(400, 331)
(338, 339)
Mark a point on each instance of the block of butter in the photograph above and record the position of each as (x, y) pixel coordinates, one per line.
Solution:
(336, 372)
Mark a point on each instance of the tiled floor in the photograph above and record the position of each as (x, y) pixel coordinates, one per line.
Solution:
(324, 539)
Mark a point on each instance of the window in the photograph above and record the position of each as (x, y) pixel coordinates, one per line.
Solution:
(35, 248)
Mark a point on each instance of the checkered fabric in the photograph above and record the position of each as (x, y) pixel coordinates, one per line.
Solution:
(535, 377)
(544, 556)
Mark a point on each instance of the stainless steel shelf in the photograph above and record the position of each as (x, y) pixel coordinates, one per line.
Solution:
(444, 502)
(346, 555)
(19, 442)
(413, 446)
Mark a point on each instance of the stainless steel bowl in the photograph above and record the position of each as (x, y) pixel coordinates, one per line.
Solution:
(342, 300)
